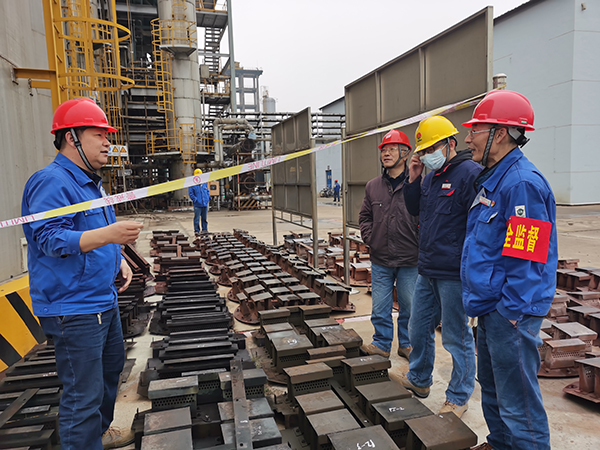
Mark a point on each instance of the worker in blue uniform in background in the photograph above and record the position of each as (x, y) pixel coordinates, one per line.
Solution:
(336, 191)
(509, 271)
(441, 199)
(73, 262)
(200, 197)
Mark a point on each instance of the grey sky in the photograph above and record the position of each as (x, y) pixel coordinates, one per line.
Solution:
(310, 49)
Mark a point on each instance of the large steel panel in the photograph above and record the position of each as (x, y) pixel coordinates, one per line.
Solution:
(304, 175)
(291, 172)
(291, 199)
(458, 65)
(363, 161)
(305, 199)
(289, 136)
(401, 99)
(278, 197)
(277, 139)
(361, 105)
(354, 199)
(453, 66)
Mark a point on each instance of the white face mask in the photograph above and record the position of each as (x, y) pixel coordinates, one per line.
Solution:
(435, 160)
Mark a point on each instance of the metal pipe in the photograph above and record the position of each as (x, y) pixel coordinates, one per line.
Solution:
(227, 124)
(255, 197)
(232, 93)
(345, 240)
(315, 214)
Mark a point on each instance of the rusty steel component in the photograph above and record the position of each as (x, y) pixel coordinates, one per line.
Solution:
(174, 392)
(307, 379)
(369, 394)
(365, 370)
(273, 316)
(439, 431)
(560, 357)
(326, 352)
(168, 420)
(337, 297)
(393, 414)
(310, 312)
(348, 338)
(588, 386)
(581, 314)
(179, 440)
(315, 403)
(572, 330)
(323, 424)
(290, 351)
(370, 437)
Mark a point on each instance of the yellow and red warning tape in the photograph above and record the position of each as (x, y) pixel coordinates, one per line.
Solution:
(182, 183)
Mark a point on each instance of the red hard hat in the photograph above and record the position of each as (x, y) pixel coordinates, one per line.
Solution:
(504, 108)
(395, 137)
(336, 181)
(80, 112)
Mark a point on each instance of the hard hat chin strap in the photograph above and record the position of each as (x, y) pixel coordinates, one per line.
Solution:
(80, 151)
(488, 145)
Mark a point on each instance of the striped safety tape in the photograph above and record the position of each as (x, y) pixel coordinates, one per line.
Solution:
(182, 183)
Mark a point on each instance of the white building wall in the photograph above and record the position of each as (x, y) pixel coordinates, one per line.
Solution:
(546, 49)
(331, 157)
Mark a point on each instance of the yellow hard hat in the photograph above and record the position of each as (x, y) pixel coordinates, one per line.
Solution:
(198, 172)
(432, 130)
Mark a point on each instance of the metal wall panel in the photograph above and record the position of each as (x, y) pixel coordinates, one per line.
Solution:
(401, 99)
(452, 66)
(289, 136)
(25, 120)
(361, 106)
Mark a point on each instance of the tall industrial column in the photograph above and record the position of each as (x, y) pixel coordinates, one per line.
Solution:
(179, 37)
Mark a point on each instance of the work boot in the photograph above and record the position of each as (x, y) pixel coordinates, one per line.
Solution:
(451, 407)
(419, 392)
(484, 446)
(116, 437)
(372, 349)
(404, 352)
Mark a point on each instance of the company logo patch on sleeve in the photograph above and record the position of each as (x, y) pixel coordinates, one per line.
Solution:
(520, 211)
(527, 239)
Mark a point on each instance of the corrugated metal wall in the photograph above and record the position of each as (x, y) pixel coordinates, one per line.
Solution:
(26, 114)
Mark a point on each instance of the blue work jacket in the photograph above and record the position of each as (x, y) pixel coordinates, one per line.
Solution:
(63, 280)
(515, 287)
(442, 202)
(200, 195)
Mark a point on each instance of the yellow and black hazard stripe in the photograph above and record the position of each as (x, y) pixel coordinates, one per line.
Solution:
(20, 330)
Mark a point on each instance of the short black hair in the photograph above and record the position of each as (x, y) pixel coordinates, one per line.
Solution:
(59, 135)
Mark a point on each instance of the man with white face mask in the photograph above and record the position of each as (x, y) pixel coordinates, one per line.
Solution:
(442, 200)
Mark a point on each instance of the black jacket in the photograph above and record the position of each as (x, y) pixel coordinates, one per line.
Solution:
(387, 227)
(442, 202)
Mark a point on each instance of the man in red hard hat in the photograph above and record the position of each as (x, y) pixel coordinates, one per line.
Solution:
(392, 235)
(509, 271)
(73, 262)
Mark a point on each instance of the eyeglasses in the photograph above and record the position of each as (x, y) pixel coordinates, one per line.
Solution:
(472, 133)
(403, 150)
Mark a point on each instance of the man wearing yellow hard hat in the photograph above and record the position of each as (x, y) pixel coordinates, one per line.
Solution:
(441, 199)
(200, 197)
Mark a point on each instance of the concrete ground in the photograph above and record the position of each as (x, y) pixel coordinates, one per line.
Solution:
(573, 422)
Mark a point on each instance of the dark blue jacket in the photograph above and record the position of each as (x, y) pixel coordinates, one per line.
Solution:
(442, 202)
(336, 188)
